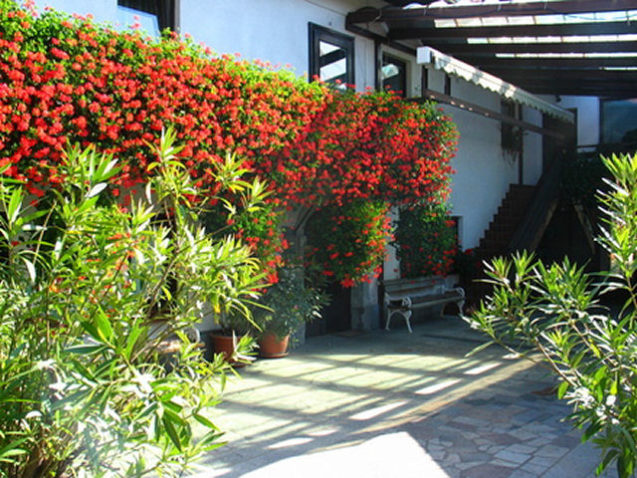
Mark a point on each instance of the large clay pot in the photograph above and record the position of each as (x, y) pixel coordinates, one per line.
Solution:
(270, 346)
(225, 345)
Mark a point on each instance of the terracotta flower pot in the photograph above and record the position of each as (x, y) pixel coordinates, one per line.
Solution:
(225, 345)
(270, 346)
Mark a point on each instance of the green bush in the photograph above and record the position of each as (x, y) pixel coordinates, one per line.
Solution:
(557, 311)
(91, 294)
(288, 304)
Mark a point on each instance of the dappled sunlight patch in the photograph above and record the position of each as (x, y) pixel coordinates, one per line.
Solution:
(323, 432)
(290, 443)
(377, 457)
(437, 387)
(482, 368)
(375, 412)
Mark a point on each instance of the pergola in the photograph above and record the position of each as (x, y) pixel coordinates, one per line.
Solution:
(557, 47)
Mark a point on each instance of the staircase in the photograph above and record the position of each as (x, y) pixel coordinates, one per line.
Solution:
(506, 221)
(519, 224)
(499, 234)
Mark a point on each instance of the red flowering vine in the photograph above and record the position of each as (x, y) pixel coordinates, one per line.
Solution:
(348, 242)
(426, 240)
(66, 80)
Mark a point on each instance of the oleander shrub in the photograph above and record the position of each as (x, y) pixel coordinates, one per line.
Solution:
(562, 316)
(91, 295)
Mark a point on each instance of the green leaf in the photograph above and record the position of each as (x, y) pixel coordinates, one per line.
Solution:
(172, 432)
(131, 340)
(561, 390)
(30, 269)
(480, 348)
(204, 421)
(590, 431)
(95, 190)
(85, 349)
(91, 329)
(104, 328)
(15, 203)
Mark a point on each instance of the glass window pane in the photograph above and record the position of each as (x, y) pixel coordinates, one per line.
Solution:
(619, 121)
(333, 63)
(394, 75)
(147, 21)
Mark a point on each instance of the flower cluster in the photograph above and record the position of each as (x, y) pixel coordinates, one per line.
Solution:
(370, 146)
(348, 242)
(426, 240)
(66, 79)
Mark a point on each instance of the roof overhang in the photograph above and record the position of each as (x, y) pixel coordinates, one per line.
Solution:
(433, 58)
(547, 47)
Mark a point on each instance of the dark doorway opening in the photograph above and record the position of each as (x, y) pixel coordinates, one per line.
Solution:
(336, 315)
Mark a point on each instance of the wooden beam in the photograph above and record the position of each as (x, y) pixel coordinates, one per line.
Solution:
(594, 82)
(617, 95)
(502, 10)
(551, 63)
(560, 74)
(379, 38)
(456, 49)
(553, 86)
(482, 111)
(604, 89)
(566, 29)
(403, 3)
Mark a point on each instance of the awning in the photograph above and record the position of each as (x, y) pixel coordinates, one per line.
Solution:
(452, 66)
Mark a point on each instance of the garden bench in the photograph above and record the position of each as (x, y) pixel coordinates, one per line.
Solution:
(402, 296)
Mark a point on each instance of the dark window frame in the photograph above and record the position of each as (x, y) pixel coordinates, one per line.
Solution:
(388, 57)
(317, 34)
(164, 10)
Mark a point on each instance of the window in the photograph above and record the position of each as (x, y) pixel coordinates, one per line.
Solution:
(619, 122)
(447, 85)
(154, 15)
(393, 75)
(331, 57)
(512, 136)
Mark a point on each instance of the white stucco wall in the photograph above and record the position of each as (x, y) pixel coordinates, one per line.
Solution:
(102, 10)
(274, 30)
(588, 116)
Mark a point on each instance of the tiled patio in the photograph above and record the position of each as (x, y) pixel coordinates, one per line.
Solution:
(393, 404)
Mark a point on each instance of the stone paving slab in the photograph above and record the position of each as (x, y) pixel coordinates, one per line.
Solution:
(385, 404)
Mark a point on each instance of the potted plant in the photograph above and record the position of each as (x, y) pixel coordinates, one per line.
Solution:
(236, 333)
(285, 307)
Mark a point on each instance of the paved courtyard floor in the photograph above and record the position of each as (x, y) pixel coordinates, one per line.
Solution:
(393, 404)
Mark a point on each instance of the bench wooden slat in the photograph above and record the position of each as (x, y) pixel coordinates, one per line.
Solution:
(404, 295)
